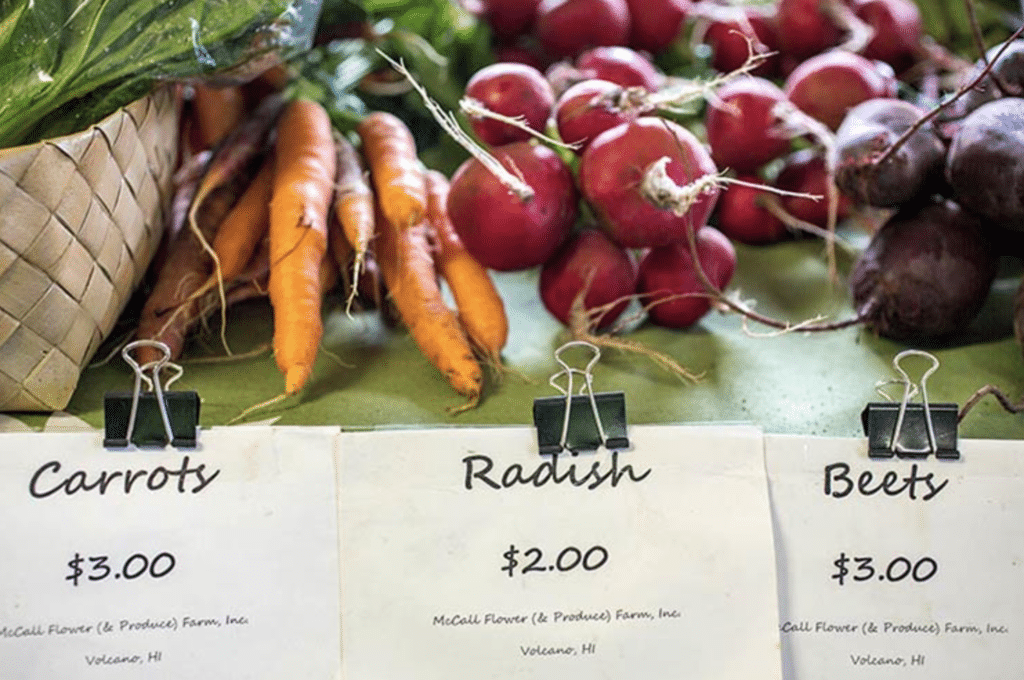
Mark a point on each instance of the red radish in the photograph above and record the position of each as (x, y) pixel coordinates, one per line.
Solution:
(804, 28)
(741, 128)
(589, 108)
(656, 23)
(828, 85)
(612, 170)
(510, 18)
(898, 30)
(518, 54)
(620, 65)
(511, 90)
(804, 172)
(728, 31)
(502, 231)
(567, 27)
(741, 218)
(668, 273)
(592, 261)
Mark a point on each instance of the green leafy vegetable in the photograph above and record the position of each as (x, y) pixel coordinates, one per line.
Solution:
(67, 63)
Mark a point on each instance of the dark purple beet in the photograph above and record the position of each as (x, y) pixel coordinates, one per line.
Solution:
(985, 163)
(867, 131)
(925, 274)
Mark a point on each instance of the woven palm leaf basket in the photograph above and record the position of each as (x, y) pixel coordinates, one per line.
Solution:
(80, 220)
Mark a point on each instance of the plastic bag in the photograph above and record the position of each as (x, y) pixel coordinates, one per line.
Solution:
(67, 64)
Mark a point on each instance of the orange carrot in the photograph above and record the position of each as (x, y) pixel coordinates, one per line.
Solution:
(395, 170)
(407, 264)
(241, 232)
(304, 174)
(218, 110)
(353, 205)
(480, 306)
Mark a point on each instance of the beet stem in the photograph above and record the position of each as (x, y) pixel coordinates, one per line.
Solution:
(902, 139)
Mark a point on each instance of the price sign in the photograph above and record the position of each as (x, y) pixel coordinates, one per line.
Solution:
(216, 562)
(898, 567)
(478, 557)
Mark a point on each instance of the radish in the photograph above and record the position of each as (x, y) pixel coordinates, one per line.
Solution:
(828, 85)
(741, 127)
(985, 163)
(511, 90)
(740, 217)
(925, 274)
(656, 23)
(501, 230)
(897, 30)
(567, 27)
(612, 171)
(804, 172)
(589, 261)
(804, 29)
(510, 18)
(867, 132)
(518, 54)
(670, 285)
(730, 31)
(620, 65)
(589, 108)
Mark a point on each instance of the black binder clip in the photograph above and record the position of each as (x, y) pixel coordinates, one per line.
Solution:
(581, 422)
(911, 430)
(154, 417)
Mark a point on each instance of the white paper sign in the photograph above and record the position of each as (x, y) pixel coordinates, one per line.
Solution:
(465, 554)
(899, 568)
(220, 562)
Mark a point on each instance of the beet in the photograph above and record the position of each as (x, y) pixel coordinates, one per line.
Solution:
(868, 130)
(985, 163)
(925, 274)
(590, 259)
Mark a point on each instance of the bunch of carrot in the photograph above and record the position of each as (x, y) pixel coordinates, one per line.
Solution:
(287, 201)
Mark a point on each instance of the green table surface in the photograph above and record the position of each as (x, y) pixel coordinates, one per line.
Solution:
(372, 375)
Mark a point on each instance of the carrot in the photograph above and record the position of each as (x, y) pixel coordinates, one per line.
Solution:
(225, 171)
(304, 174)
(480, 306)
(395, 170)
(217, 111)
(239, 235)
(407, 264)
(353, 206)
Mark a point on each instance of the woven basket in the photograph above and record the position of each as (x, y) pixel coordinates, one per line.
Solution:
(80, 220)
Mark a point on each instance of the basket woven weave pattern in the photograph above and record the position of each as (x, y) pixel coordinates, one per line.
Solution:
(80, 219)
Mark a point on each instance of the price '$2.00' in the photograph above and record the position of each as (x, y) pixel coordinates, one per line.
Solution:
(568, 559)
(98, 567)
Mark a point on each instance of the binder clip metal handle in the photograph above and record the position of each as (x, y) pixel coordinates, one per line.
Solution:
(567, 422)
(911, 430)
(154, 416)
